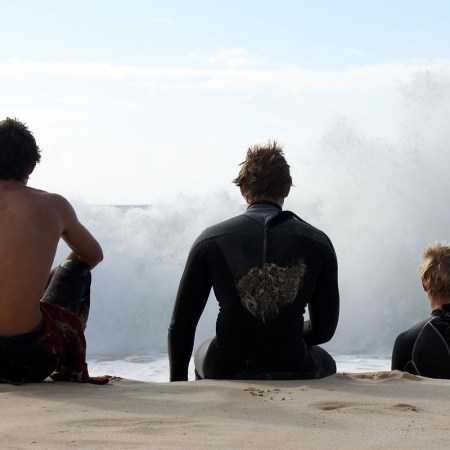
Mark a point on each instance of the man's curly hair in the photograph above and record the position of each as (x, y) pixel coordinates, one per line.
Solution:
(19, 152)
(264, 174)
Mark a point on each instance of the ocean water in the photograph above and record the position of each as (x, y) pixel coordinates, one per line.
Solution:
(380, 198)
(155, 366)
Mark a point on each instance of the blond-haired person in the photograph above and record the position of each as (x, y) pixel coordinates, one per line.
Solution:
(265, 266)
(424, 349)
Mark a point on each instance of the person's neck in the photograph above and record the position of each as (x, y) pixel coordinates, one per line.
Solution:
(14, 183)
(437, 303)
(265, 202)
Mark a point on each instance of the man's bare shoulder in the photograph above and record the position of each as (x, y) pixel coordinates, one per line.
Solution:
(33, 205)
(52, 199)
(44, 194)
(15, 196)
(10, 188)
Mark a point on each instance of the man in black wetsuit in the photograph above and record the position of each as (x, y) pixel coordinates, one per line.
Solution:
(265, 267)
(424, 349)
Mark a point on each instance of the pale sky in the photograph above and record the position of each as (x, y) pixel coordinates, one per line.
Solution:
(137, 101)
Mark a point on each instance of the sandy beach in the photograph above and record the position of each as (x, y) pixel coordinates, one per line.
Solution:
(371, 410)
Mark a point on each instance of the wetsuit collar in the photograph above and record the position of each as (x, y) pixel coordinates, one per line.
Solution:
(440, 312)
(263, 212)
(265, 203)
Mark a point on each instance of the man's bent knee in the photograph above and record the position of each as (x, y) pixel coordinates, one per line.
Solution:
(75, 265)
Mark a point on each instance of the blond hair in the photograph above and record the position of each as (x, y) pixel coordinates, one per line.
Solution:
(435, 270)
(264, 174)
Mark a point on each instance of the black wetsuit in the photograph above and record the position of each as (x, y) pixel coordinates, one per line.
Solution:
(265, 267)
(424, 349)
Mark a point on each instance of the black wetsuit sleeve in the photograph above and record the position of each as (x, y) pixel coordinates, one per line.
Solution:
(323, 307)
(193, 293)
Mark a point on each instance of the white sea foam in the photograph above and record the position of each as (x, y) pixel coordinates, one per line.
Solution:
(380, 198)
(155, 366)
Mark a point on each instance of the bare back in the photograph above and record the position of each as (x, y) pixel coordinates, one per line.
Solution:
(31, 224)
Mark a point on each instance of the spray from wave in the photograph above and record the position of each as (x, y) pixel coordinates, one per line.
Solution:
(381, 199)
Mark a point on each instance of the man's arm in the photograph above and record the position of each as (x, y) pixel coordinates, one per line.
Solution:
(83, 245)
(324, 305)
(193, 293)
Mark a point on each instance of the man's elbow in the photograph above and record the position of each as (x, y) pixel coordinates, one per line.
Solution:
(327, 336)
(94, 258)
(99, 256)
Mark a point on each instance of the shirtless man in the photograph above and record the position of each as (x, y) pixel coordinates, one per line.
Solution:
(265, 266)
(38, 335)
(424, 349)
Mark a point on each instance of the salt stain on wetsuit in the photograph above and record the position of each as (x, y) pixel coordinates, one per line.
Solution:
(424, 349)
(267, 290)
(265, 266)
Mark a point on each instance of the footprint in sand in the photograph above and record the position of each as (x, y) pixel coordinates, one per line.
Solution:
(379, 376)
(331, 406)
(404, 407)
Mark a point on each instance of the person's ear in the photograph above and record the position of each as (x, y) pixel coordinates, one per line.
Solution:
(287, 190)
(30, 169)
(424, 287)
(243, 193)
